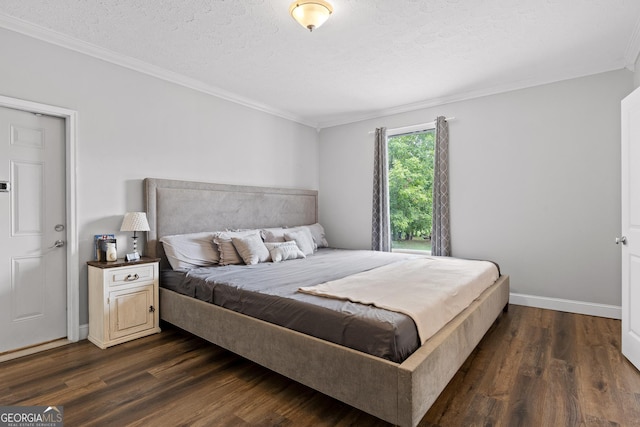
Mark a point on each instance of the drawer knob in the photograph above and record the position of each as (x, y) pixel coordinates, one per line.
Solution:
(131, 277)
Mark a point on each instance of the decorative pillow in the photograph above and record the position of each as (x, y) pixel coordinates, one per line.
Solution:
(303, 238)
(273, 234)
(283, 251)
(228, 253)
(317, 231)
(186, 251)
(251, 248)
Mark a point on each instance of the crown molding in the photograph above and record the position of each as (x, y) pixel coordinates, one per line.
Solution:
(53, 37)
(465, 96)
(56, 38)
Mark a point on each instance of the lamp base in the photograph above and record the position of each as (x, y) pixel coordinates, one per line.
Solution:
(135, 255)
(135, 244)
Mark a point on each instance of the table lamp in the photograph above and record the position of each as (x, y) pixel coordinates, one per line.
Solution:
(134, 221)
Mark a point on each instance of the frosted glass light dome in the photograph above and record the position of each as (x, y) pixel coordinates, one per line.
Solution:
(311, 14)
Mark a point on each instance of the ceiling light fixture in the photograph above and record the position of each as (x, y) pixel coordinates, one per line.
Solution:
(310, 14)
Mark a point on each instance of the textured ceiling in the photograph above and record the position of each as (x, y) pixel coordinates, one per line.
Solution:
(372, 57)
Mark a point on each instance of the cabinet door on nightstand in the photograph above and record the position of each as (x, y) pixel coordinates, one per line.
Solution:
(131, 311)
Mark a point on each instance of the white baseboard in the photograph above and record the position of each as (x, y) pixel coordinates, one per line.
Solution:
(83, 331)
(10, 355)
(83, 334)
(570, 306)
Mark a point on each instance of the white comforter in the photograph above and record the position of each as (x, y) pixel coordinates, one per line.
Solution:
(431, 290)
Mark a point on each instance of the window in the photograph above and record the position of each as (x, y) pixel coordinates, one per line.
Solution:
(411, 160)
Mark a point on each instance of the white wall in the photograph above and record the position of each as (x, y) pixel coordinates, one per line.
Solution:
(535, 173)
(132, 126)
(535, 184)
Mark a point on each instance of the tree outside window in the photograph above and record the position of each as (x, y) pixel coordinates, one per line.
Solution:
(411, 159)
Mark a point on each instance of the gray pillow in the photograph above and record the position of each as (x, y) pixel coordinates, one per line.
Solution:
(317, 231)
(228, 253)
(273, 234)
(303, 239)
(251, 249)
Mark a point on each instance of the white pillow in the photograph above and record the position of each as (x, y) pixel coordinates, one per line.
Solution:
(303, 238)
(283, 251)
(317, 231)
(277, 234)
(186, 251)
(228, 253)
(251, 248)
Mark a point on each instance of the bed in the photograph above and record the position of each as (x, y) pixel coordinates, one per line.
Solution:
(400, 393)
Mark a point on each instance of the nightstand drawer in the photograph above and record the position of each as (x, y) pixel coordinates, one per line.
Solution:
(124, 276)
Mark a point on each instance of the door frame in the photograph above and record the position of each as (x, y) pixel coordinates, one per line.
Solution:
(73, 273)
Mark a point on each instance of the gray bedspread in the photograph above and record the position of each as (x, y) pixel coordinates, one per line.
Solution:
(268, 291)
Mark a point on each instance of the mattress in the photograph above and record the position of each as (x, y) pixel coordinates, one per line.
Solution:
(269, 291)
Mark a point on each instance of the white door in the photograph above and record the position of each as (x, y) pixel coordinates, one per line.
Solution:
(33, 290)
(630, 239)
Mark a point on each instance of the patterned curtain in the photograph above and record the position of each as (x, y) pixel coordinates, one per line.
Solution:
(441, 234)
(380, 225)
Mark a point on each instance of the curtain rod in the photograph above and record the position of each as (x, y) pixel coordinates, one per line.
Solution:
(415, 127)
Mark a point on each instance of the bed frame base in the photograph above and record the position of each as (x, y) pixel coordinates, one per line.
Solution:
(398, 393)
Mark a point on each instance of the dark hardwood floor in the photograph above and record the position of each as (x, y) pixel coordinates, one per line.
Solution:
(534, 368)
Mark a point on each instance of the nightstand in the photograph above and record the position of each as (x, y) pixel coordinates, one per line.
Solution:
(123, 300)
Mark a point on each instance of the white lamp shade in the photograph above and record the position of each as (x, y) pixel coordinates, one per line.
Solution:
(135, 221)
(310, 14)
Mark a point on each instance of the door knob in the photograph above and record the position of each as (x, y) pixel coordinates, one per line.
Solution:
(622, 240)
(57, 244)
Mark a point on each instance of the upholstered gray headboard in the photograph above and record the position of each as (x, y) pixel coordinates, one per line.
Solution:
(179, 207)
